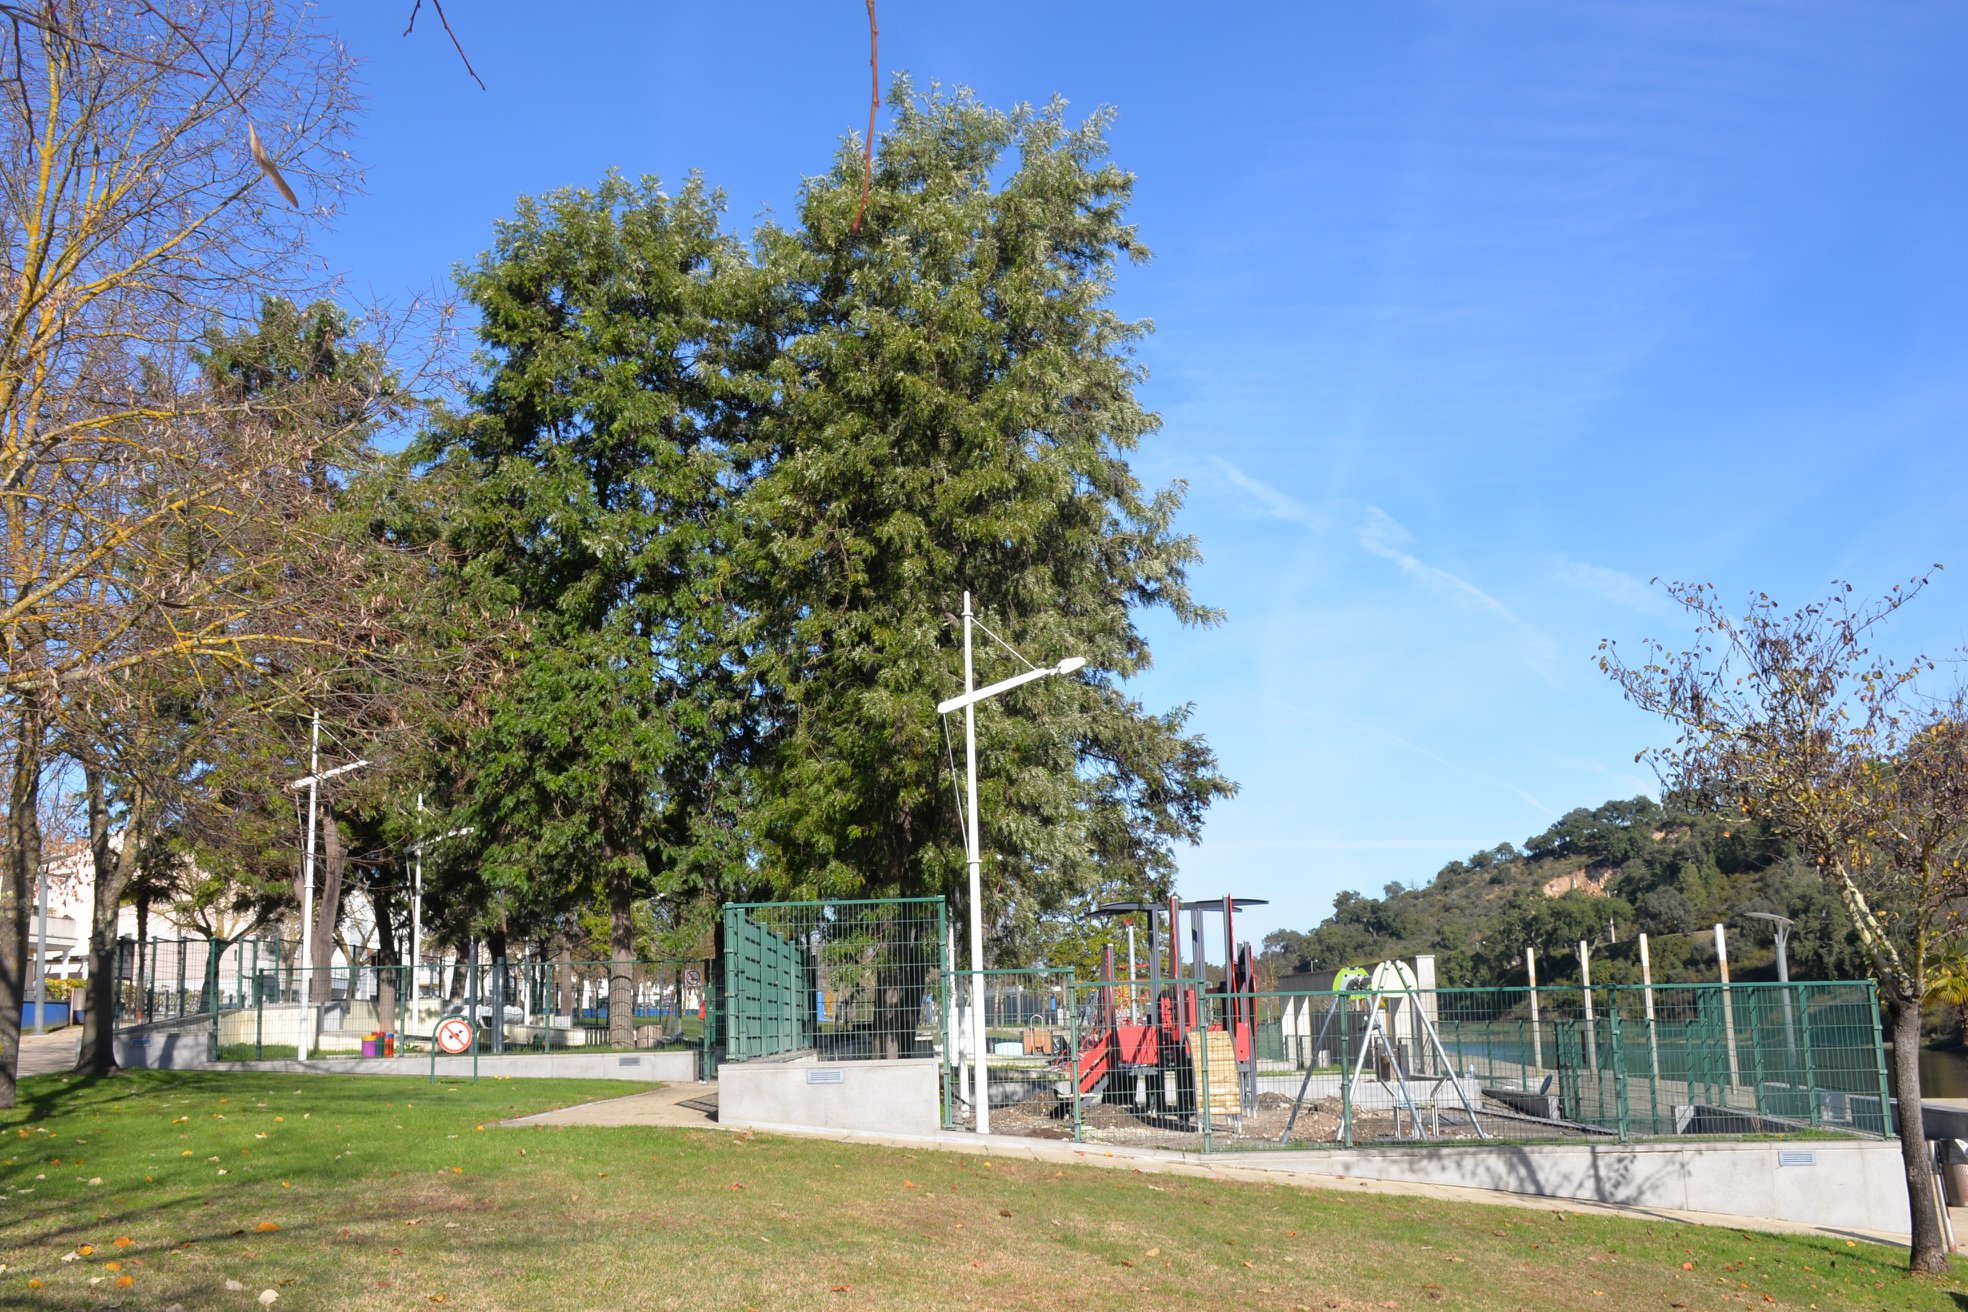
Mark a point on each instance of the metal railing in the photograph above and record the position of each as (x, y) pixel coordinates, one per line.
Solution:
(1305, 1070)
(842, 980)
(518, 1007)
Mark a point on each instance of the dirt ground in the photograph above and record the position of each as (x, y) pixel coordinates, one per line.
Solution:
(1046, 1115)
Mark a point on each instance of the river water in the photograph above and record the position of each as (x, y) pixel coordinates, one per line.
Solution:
(1944, 1072)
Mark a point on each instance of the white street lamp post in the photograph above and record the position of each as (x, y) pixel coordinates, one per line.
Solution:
(1782, 926)
(417, 930)
(417, 910)
(312, 782)
(974, 858)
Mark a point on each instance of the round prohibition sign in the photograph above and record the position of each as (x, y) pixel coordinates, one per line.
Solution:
(454, 1035)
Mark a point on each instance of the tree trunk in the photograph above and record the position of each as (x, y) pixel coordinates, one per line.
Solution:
(113, 872)
(20, 863)
(389, 956)
(564, 1001)
(334, 857)
(144, 964)
(495, 943)
(1929, 1252)
(621, 968)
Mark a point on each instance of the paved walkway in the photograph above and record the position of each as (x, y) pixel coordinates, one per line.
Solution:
(50, 1053)
(669, 1105)
(692, 1106)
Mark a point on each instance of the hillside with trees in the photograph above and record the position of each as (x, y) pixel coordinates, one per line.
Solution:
(1603, 875)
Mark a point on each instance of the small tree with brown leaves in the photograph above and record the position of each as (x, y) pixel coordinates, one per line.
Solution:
(1792, 717)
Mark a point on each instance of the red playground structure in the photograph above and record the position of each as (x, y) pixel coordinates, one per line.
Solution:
(1152, 1053)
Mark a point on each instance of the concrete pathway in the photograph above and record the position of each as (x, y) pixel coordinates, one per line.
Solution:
(50, 1053)
(691, 1106)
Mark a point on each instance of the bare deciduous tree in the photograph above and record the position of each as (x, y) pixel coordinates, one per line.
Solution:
(140, 146)
(1791, 716)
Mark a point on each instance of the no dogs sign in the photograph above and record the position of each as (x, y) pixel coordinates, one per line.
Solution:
(454, 1035)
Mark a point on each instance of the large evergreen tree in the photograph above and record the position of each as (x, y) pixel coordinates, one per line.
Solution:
(598, 492)
(953, 409)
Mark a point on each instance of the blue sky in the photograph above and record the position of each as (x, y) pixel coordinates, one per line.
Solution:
(1471, 319)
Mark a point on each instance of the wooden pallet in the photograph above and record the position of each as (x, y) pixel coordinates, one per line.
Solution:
(1213, 1066)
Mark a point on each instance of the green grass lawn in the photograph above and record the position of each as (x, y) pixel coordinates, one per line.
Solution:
(365, 1192)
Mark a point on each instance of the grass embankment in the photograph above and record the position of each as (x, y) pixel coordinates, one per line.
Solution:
(353, 1192)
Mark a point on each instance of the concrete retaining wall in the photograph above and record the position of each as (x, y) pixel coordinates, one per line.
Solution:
(898, 1097)
(166, 1046)
(1849, 1185)
(186, 1044)
(679, 1067)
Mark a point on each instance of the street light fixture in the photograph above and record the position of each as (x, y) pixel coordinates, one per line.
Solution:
(417, 911)
(967, 703)
(1782, 925)
(312, 782)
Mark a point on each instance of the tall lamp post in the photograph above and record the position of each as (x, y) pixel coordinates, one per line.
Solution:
(312, 782)
(417, 910)
(967, 703)
(1782, 926)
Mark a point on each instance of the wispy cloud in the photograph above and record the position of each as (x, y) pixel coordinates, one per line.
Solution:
(1381, 535)
(1395, 738)
(1627, 779)
(1611, 585)
(1353, 845)
(1274, 503)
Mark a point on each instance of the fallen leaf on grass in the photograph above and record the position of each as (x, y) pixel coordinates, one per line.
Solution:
(843, 1289)
(124, 1282)
(266, 1227)
(122, 1241)
(86, 1249)
(268, 1297)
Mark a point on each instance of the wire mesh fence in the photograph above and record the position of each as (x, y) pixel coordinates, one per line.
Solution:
(260, 1006)
(1027, 1031)
(1207, 1070)
(839, 980)
(167, 978)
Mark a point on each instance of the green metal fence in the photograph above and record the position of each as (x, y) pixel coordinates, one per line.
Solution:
(844, 980)
(1304, 1070)
(1027, 1028)
(163, 978)
(518, 1006)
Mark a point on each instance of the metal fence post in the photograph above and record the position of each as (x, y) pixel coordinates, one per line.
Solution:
(1810, 1062)
(1757, 1008)
(116, 1007)
(1879, 1062)
(1073, 1054)
(1345, 1072)
(213, 963)
(1614, 1036)
(1200, 1062)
